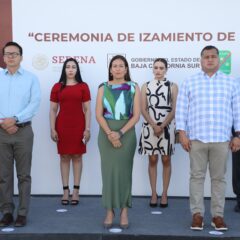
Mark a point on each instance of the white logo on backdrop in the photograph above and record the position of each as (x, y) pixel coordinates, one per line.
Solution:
(40, 61)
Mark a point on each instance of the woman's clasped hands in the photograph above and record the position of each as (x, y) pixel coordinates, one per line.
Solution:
(114, 138)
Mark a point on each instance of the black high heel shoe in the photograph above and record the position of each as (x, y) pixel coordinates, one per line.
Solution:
(65, 201)
(75, 201)
(153, 205)
(163, 205)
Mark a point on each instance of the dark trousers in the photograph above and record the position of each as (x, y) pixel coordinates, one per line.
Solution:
(16, 147)
(236, 174)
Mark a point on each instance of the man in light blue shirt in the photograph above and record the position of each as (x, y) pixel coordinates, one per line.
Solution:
(208, 105)
(19, 102)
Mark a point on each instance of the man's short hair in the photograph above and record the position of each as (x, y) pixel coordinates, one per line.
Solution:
(13, 44)
(210, 47)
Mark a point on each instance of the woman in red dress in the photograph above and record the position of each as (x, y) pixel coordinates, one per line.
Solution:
(70, 124)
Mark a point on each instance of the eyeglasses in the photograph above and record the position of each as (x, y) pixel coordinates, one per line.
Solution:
(11, 54)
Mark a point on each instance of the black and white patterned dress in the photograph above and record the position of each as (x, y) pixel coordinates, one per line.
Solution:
(159, 102)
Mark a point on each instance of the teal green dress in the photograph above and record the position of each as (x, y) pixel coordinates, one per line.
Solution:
(117, 163)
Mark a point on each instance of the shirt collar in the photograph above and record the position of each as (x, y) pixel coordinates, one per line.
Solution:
(20, 71)
(215, 75)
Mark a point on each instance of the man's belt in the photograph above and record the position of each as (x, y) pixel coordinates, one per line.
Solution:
(22, 125)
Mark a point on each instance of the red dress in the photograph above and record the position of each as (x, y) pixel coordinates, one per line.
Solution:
(70, 122)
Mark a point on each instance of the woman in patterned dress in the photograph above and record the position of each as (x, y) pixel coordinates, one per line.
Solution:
(117, 112)
(158, 102)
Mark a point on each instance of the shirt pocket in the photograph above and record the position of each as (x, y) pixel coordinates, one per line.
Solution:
(221, 97)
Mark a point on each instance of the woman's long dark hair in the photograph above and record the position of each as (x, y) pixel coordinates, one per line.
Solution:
(63, 78)
(127, 75)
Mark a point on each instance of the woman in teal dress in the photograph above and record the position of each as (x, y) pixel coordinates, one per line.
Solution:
(117, 112)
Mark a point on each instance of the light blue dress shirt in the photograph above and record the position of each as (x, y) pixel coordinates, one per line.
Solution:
(19, 95)
(208, 107)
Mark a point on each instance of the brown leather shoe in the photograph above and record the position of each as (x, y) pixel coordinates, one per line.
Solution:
(6, 220)
(20, 221)
(197, 222)
(219, 224)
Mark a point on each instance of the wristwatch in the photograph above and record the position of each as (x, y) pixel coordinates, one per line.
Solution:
(16, 119)
(237, 134)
